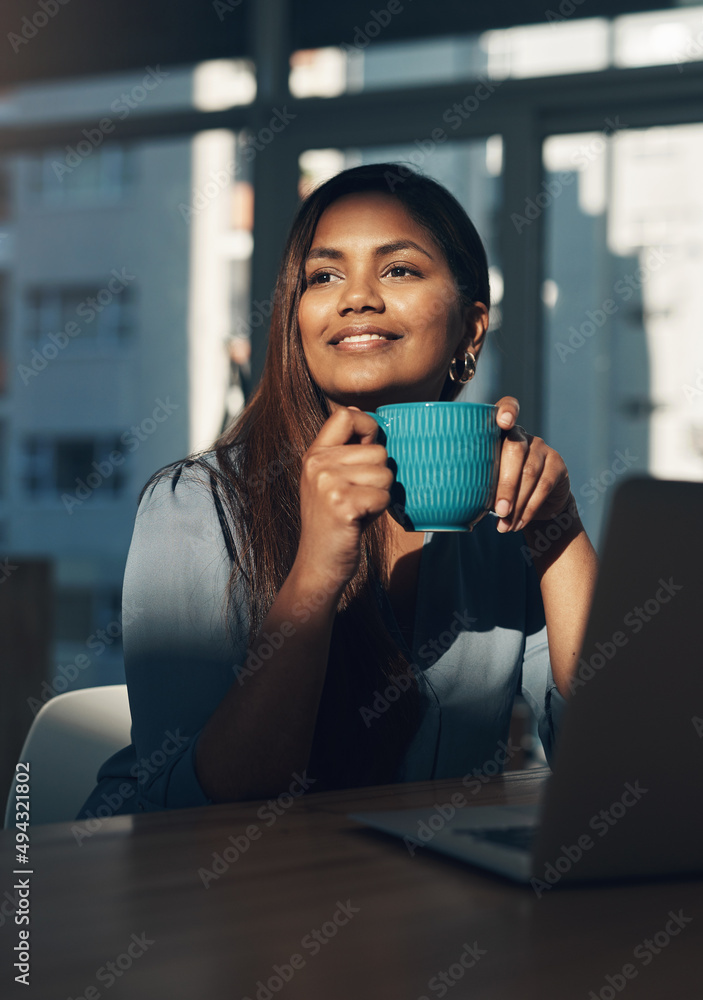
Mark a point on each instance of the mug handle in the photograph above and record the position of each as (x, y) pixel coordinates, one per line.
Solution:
(379, 420)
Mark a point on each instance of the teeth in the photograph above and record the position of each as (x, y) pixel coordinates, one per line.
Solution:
(364, 336)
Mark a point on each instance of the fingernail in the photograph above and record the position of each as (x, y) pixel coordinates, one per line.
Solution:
(518, 526)
(503, 526)
(502, 508)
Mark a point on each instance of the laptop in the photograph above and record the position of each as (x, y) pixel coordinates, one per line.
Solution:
(623, 800)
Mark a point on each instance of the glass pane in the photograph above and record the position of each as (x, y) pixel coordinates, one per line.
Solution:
(5, 185)
(363, 63)
(73, 461)
(110, 99)
(472, 171)
(660, 37)
(78, 175)
(622, 314)
(75, 306)
(560, 45)
(3, 469)
(320, 73)
(73, 614)
(3, 334)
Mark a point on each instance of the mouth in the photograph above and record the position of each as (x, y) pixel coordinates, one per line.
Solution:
(363, 334)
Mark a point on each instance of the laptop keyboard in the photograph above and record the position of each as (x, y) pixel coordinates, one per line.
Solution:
(520, 837)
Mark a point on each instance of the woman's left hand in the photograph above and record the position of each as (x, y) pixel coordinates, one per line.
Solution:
(533, 482)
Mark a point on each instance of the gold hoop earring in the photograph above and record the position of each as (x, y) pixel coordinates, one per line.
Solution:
(467, 372)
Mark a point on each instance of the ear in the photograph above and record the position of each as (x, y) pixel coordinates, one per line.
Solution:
(475, 322)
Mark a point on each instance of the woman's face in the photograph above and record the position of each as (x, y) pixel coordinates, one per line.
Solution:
(372, 268)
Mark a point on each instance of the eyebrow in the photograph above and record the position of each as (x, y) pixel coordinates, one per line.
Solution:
(381, 251)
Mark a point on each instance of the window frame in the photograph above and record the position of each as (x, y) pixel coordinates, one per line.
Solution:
(42, 463)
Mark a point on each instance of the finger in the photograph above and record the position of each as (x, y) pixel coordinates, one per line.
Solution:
(379, 476)
(508, 410)
(554, 480)
(532, 472)
(367, 436)
(344, 424)
(512, 459)
(349, 464)
(359, 454)
(366, 504)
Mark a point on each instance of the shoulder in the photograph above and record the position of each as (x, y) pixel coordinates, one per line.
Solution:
(188, 496)
(194, 480)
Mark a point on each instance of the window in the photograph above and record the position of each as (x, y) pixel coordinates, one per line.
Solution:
(80, 174)
(622, 317)
(72, 459)
(3, 332)
(108, 99)
(559, 45)
(73, 615)
(80, 611)
(3, 462)
(5, 192)
(73, 469)
(658, 37)
(103, 315)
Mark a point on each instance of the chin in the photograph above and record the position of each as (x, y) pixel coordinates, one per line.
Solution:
(371, 397)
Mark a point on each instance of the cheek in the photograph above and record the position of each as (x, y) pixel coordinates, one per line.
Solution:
(428, 314)
(308, 321)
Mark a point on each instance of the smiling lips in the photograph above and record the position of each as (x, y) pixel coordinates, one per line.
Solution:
(362, 337)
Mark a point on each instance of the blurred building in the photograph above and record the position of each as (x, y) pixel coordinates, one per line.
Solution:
(123, 270)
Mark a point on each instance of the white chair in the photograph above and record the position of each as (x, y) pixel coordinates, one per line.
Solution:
(72, 735)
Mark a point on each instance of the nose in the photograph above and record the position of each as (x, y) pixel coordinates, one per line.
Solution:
(359, 293)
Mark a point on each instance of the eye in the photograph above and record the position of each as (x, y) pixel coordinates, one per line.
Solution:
(403, 267)
(318, 278)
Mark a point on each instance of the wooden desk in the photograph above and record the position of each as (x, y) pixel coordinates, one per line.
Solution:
(411, 919)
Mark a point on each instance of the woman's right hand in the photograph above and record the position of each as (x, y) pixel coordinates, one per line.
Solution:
(343, 488)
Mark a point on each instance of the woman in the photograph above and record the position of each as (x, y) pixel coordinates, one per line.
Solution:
(282, 631)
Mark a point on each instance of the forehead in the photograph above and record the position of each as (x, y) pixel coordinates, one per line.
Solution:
(368, 217)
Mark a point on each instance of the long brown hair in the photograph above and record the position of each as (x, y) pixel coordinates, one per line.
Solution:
(257, 482)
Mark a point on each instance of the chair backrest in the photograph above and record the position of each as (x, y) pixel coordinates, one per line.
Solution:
(72, 735)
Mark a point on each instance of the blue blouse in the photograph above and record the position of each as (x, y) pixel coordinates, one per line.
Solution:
(479, 639)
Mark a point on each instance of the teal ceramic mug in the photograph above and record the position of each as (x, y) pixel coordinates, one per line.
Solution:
(445, 457)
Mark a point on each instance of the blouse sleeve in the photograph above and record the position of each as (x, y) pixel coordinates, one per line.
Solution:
(538, 686)
(179, 658)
